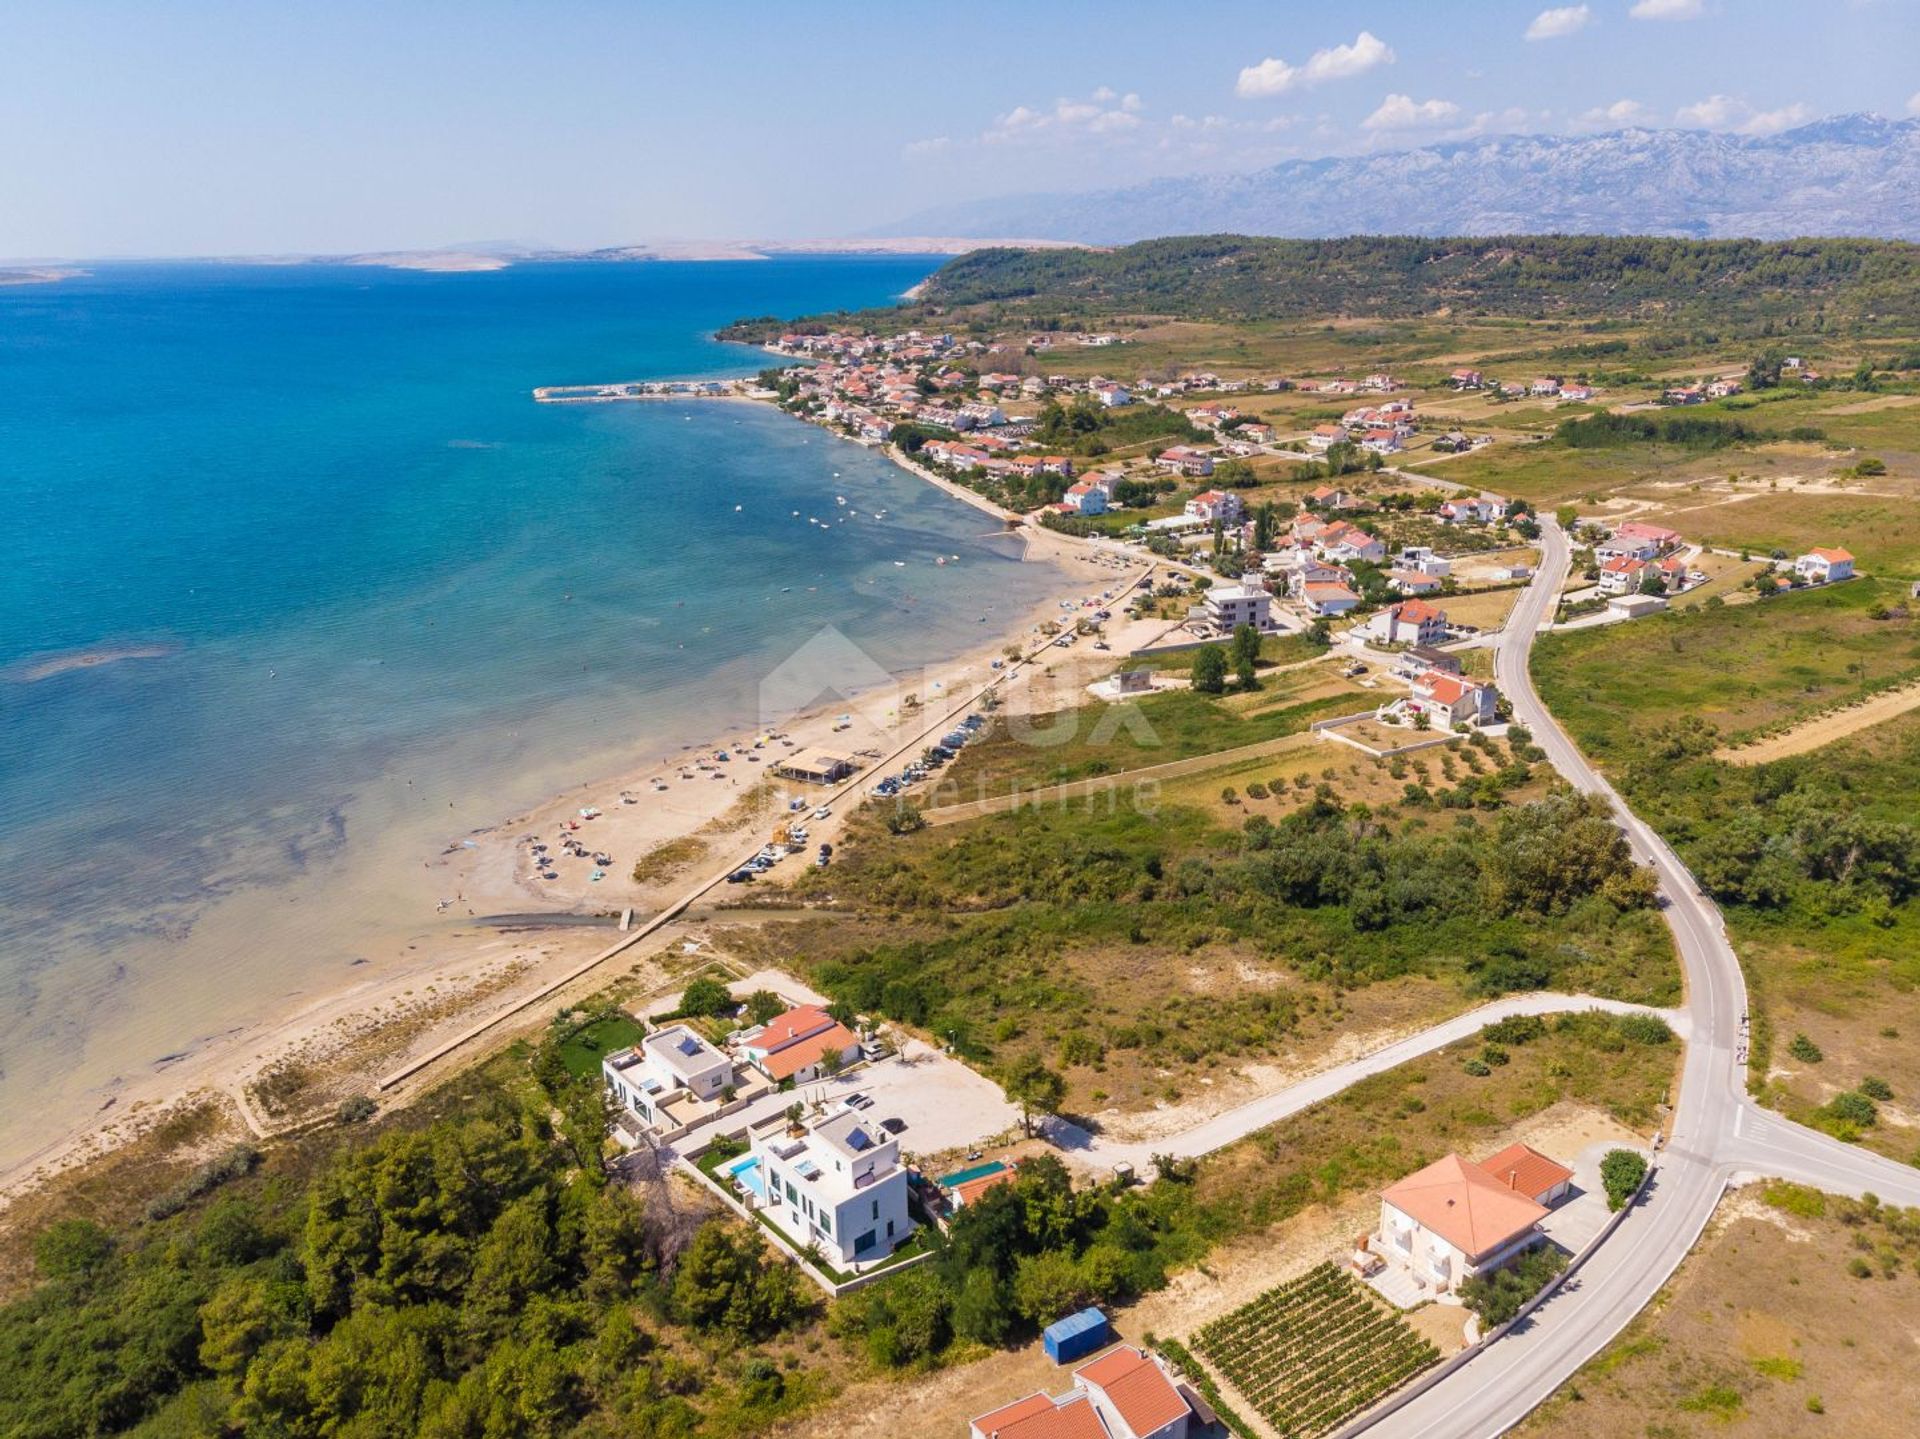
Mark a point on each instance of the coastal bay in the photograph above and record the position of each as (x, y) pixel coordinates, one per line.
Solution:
(385, 605)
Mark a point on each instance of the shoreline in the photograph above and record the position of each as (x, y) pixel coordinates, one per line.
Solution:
(459, 971)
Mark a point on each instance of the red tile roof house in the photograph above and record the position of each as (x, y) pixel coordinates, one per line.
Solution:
(1450, 701)
(1455, 1219)
(790, 1045)
(1662, 537)
(1211, 505)
(1415, 622)
(1621, 575)
(1819, 567)
(1124, 1394)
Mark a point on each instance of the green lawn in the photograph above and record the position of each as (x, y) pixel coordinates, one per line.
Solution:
(583, 1049)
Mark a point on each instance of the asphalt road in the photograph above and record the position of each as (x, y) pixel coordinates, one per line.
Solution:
(1102, 1152)
(1718, 1134)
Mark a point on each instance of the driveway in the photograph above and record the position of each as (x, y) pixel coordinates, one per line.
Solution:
(941, 1104)
(1576, 1221)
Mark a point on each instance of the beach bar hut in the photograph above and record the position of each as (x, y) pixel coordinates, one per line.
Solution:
(816, 767)
(1075, 1336)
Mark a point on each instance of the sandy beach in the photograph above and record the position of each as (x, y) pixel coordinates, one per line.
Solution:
(474, 934)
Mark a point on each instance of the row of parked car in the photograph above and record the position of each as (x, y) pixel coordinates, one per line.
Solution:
(949, 746)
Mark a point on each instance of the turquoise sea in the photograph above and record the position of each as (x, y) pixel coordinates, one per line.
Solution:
(341, 572)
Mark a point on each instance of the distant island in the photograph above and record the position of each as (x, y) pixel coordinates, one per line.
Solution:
(479, 259)
(38, 275)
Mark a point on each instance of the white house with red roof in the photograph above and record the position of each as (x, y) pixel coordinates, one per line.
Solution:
(1639, 531)
(1341, 542)
(1124, 1394)
(1412, 622)
(792, 1045)
(1465, 379)
(1455, 1219)
(1480, 511)
(1820, 567)
(1211, 505)
(1085, 499)
(1326, 599)
(1186, 460)
(1622, 575)
(1452, 701)
(1325, 437)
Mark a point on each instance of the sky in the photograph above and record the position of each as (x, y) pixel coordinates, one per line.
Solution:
(231, 127)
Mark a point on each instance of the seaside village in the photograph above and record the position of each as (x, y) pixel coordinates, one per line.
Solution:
(851, 1144)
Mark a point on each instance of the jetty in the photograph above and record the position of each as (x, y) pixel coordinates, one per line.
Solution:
(745, 389)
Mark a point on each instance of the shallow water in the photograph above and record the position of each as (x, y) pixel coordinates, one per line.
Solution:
(352, 593)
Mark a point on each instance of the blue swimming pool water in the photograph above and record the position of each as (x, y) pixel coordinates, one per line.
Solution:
(747, 1171)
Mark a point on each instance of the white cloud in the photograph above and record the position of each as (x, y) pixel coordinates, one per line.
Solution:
(1726, 112)
(1342, 62)
(1403, 112)
(1106, 113)
(1620, 112)
(1913, 103)
(1771, 122)
(1562, 20)
(1667, 9)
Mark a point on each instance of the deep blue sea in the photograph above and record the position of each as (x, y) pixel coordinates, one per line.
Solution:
(376, 574)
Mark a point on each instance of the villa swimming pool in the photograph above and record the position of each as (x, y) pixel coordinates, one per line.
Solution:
(747, 1171)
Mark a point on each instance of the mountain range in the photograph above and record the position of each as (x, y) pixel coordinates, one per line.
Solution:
(1845, 175)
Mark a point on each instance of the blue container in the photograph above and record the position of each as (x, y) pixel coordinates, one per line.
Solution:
(1076, 1336)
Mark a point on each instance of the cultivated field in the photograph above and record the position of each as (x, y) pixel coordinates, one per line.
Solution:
(1314, 1351)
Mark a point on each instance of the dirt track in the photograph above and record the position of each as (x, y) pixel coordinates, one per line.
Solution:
(1825, 729)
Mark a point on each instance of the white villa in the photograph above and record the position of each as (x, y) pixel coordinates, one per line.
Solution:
(1211, 505)
(837, 1183)
(1820, 567)
(1085, 498)
(1449, 701)
(1455, 1219)
(1230, 606)
(1414, 622)
(669, 1078)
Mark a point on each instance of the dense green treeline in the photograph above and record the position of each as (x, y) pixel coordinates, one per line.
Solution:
(1813, 284)
(468, 1277)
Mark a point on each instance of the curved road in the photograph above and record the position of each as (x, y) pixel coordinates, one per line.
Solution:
(1718, 1132)
(1236, 1123)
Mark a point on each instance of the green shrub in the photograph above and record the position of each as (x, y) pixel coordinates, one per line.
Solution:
(1477, 1068)
(1805, 1050)
(1852, 1107)
(1644, 1028)
(1515, 1029)
(1621, 1173)
(1876, 1088)
(1498, 1296)
(356, 1109)
(706, 996)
